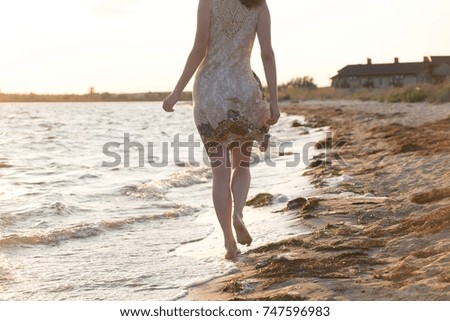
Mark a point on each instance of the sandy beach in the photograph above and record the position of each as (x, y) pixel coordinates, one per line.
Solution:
(380, 217)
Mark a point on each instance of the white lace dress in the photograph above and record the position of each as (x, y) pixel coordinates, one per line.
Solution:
(228, 101)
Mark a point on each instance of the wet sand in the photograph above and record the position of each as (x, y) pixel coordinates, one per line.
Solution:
(380, 221)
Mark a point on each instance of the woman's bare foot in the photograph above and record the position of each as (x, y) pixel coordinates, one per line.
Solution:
(232, 250)
(242, 235)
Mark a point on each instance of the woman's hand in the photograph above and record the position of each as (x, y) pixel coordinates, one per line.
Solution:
(274, 114)
(170, 101)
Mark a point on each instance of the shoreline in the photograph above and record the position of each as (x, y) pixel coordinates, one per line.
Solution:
(89, 98)
(380, 225)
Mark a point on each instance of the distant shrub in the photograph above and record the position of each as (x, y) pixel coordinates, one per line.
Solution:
(300, 82)
(441, 94)
(394, 98)
(409, 95)
(415, 95)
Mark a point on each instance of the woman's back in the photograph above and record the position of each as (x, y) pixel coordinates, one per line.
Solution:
(232, 35)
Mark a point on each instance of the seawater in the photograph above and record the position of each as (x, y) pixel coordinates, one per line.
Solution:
(73, 227)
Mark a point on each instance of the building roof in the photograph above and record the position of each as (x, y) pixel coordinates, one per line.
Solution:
(437, 60)
(409, 68)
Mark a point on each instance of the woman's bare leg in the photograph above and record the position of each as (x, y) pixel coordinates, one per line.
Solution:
(221, 194)
(240, 184)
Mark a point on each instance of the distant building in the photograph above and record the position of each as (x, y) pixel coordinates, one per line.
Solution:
(434, 69)
(440, 68)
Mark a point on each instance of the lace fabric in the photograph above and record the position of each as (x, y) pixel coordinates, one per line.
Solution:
(228, 102)
(231, 15)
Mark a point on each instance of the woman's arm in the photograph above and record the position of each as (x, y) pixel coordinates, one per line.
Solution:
(196, 56)
(268, 59)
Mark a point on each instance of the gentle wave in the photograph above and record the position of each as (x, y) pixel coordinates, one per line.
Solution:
(82, 231)
(52, 237)
(58, 208)
(182, 294)
(88, 176)
(190, 176)
(203, 280)
(62, 209)
(185, 178)
(179, 211)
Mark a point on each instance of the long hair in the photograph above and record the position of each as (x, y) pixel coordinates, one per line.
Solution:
(251, 3)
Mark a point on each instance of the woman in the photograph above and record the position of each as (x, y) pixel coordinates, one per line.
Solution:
(229, 109)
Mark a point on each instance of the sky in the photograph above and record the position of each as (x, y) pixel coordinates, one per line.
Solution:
(124, 46)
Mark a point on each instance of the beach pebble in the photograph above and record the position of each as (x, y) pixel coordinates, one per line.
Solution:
(299, 202)
(260, 200)
(296, 123)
